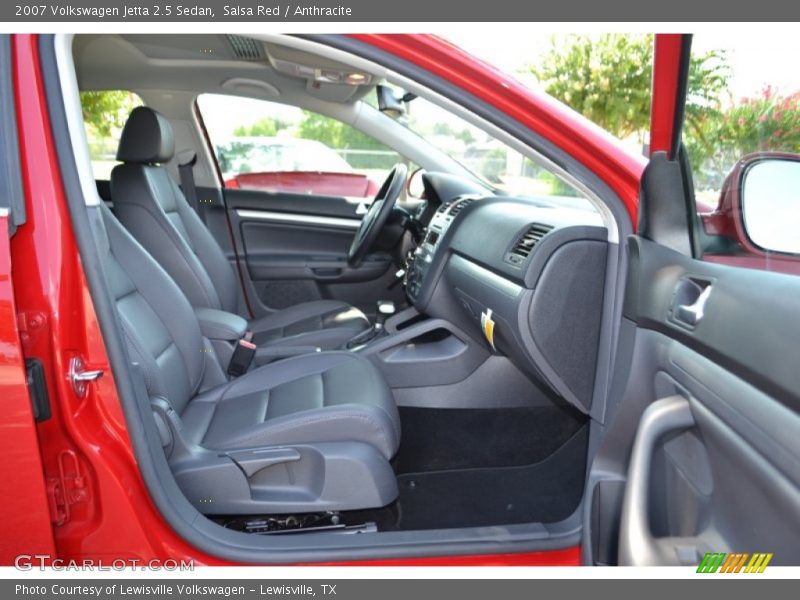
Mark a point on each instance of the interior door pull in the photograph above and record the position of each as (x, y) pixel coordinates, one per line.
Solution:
(637, 546)
(693, 313)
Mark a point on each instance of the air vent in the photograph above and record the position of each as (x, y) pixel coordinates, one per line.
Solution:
(525, 244)
(246, 48)
(458, 205)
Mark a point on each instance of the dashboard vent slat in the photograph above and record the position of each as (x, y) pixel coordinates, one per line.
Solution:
(246, 48)
(526, 242)
(458, 205)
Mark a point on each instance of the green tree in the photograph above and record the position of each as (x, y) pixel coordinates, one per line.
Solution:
(335, 134)
(607, 78)
(340, 136)
(465, 135)
(766, 122)
(105, 112)
(264, 127)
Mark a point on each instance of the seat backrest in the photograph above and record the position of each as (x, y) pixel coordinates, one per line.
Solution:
(160, 328)
(149, 203)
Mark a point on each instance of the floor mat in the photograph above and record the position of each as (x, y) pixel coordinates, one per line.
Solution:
(545, 492)
(443, 439)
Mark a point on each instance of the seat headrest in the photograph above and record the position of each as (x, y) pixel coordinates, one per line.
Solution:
(146, 138)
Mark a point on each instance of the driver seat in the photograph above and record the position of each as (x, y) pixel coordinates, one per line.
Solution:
(152, 207)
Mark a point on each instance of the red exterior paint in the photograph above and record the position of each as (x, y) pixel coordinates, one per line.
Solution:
(105, 512)
(666, 73)
(594, 147)
(27, 529)
(352, 185)
(569, 557)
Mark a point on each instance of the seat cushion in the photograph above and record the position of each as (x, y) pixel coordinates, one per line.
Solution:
(320, 397)
(327, 324)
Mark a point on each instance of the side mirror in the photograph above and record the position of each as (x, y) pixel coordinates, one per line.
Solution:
(769, 190)
(415, 186)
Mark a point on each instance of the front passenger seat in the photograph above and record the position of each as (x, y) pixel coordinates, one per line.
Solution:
(150, 205)
(306, 434)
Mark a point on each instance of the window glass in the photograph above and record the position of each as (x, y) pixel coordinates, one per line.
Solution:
(742, 126)
(104, 116)
(273, 147)
(745, 151)
(501, 167)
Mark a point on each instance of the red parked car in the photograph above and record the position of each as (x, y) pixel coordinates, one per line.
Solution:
(296, 166)
(550, 364)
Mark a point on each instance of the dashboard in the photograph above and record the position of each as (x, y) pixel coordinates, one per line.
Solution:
(533, 269)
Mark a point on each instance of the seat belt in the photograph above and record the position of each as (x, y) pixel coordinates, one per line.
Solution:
(243, 355)
(186, 162)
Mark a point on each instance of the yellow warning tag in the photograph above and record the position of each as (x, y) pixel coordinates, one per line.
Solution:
(487, 324)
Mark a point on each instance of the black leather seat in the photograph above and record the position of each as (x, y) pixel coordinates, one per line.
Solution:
(310, 433)
(149, 203)
(319, 397)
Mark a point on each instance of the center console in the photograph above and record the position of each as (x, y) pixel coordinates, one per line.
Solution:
(420, 261)
(413, 349)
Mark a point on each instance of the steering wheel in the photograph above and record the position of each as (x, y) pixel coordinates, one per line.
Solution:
(377, 215)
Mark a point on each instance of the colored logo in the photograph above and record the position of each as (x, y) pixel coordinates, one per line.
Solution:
(737, 562)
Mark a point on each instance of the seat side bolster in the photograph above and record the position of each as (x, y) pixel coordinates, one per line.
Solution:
(345, 422)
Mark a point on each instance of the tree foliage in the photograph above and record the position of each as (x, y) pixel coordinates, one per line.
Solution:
(608, 77)
(769, 121)
(264, 127)
(465, 135)
(105, 112)
(335, 134)
(605, 77)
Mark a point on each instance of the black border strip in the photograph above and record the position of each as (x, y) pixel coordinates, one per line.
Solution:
(11, 186)
(680, 96)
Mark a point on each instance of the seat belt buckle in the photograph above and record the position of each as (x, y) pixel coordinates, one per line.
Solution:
(243, 355)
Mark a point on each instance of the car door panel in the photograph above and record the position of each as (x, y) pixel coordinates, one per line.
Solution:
(750, 324)
(305, 204)
(700, 454)
(281, 249)
(293, 248)
(723, 476)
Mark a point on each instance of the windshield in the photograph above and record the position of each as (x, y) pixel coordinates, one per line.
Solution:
(496, 164)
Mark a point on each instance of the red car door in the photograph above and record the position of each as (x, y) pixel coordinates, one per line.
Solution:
(27, 531)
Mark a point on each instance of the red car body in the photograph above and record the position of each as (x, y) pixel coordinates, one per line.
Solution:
(351, 185)
(73, 488)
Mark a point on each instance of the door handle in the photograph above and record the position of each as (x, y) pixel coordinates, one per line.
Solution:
(692, 314)
(688, 305)
(637, 546)
(326, 272)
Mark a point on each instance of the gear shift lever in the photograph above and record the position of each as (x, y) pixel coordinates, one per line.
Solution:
(385, 310)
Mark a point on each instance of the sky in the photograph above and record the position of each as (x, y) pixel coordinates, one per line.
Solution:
(765, 56)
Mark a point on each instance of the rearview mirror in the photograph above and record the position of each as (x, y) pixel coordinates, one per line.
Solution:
(770, 199)
(388, 103)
